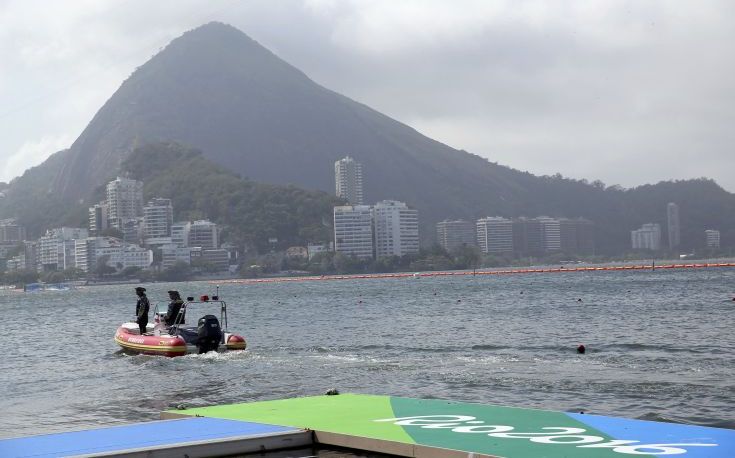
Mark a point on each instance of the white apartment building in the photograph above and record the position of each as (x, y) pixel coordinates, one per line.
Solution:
(396, 229)
(457, 233)
(88, 250)
(348, 180)
(16, 263)
(171, 254)
(158, 217)
(56, 249)
(648, 237)
(99, 218)
(124, 200)
(132, 256)
(180, 233)
(495, 234)
(353, 230)
(551, 233)
(203, 234)
(118, 254)
(712, 238)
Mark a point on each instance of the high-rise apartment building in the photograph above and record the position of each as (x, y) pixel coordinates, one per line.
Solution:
(132, 229)
(11, 231)
(114, 252)
(495, 235)
(576, 236)
(396, 229)
(528, 237)
(648, 237)
(124, 200)
(56, 249)
(30, 252)
(348, 180)
(99, 218)
(551, 233)
(672, 218)
(203, 234)
(180, 234)
(353, 230)
(457, 233)
(158, 217)
(712, 238)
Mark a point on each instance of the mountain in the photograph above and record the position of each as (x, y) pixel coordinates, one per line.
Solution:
(247, 110)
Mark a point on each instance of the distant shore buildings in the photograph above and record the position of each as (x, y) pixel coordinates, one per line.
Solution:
(674, 230)
(521, 236)
(648, 237)
(348, 180)
(388, 228)
(452, 234)
(123, 233)
(353, 231)
(712, 238)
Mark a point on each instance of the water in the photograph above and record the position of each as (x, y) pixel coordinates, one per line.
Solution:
(660, 346)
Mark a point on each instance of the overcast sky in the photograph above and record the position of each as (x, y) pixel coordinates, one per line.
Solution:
(628, 92)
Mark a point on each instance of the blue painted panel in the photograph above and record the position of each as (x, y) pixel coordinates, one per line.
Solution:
(139, 435)
(652, 432)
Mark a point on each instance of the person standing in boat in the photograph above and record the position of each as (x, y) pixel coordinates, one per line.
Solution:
(141, 309)
(173, 309)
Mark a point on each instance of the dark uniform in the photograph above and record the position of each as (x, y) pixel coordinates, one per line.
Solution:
(173, 309)
(141, 309)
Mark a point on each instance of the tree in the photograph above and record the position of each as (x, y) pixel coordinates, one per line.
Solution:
(180, 271)
(466, 257)
(101, 269)
(52, 277)
(18, 277)
(130, 271)
(73, 273)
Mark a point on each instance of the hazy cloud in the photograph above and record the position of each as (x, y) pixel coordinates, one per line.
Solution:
(627, 92)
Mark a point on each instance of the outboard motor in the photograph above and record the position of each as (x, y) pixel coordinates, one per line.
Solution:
(210, 334)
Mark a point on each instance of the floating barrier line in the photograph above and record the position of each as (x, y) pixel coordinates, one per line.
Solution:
(474, 273)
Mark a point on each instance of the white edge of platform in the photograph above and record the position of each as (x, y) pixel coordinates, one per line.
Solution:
(216, 447)
(368, 444)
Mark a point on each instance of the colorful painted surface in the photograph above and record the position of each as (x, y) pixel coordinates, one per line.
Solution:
(135, 436)
(495, 430)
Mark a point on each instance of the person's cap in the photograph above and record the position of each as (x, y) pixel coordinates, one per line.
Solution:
(140, 288)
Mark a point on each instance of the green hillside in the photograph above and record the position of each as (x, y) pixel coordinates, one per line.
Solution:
(250, 213)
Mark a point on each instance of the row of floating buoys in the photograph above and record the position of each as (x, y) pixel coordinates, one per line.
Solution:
(485, 272)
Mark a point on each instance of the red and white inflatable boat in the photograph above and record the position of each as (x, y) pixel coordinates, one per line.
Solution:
(208, 334)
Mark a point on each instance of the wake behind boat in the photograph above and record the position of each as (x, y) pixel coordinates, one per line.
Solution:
(209, 333)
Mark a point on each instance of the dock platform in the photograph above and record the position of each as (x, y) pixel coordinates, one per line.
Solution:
(423, 428)
(435, 428)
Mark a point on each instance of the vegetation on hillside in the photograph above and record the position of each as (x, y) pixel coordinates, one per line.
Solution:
(250, 213)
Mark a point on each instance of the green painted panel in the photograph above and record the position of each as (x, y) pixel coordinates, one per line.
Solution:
(474, 422)
(346, 414)
(495, 430)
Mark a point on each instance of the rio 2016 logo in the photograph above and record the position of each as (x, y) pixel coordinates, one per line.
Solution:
(551, 435)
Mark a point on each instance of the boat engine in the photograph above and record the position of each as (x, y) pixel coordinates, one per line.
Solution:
(210, 334)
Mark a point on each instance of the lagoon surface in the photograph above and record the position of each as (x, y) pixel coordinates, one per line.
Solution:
(660, 346)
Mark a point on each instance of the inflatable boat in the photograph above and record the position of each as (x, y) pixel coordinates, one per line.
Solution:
(208, 334)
